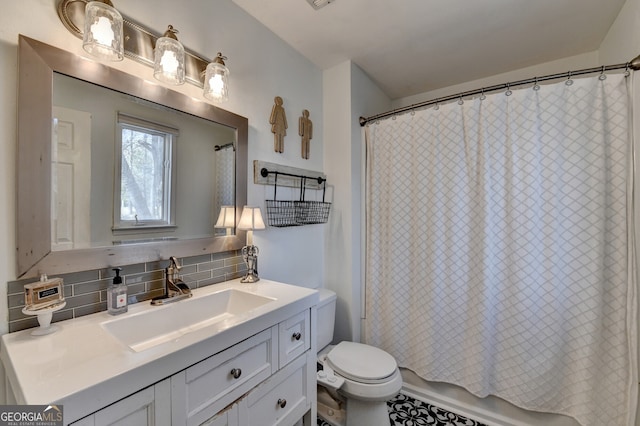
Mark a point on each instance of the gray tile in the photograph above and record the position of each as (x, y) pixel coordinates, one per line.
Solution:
(23, 324)
(236, 260)
(15, 300)
(193, 260)
(189, 269)
(136, 268)
(85, 291)
(85, 299)
(90, 287)
(78, 277)
(211, 265)
(193, 279)
(93, 308)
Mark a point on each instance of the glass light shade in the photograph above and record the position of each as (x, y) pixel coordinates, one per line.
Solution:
(103, 32)
(216, 81)
(168, 65)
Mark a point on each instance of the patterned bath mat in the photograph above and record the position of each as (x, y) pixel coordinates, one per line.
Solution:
(407, 411)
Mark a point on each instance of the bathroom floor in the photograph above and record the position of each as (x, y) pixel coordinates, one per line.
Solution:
(405, 411)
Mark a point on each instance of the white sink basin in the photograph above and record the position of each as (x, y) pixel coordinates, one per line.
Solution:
(157, 325)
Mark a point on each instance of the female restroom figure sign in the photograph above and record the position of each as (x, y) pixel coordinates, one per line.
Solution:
(278, 121)
(305, 129)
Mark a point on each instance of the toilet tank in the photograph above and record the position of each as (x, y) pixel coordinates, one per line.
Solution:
(326, 317)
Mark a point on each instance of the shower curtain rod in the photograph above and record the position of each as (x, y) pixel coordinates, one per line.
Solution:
(225, 146)
(634, 65)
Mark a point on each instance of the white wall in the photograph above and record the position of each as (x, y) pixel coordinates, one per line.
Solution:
(338, 244)
(261, 67)
(348, 94)
(586, 60)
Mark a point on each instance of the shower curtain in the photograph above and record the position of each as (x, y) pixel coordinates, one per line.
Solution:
(500, 250)
(225, 161)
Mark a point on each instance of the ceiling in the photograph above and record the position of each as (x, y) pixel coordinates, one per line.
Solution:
(413, 46)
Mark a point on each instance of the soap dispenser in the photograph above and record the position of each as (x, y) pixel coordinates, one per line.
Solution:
(117, 295)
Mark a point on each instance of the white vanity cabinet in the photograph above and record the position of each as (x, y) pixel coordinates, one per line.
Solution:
(266, 379)
(150, 406)
(206, 388)
(234, 354)
(282, 400)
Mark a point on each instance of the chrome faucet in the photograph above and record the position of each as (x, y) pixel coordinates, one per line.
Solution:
(174, 288)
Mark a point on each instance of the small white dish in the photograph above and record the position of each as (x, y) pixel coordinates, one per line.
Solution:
(44, 318)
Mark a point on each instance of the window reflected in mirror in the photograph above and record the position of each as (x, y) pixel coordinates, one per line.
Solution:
(145, 179)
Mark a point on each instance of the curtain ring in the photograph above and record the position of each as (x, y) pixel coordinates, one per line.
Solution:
(460, 101)
(482, 96)
(536, 86)
(569, 82)
(627, 73)
(413, 112)
(508, 92)
(602, 76)
(437, 107)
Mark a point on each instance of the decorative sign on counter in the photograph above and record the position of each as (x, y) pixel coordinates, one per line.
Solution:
(43, 293)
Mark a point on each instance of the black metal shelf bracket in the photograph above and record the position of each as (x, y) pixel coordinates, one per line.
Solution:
(264, 172)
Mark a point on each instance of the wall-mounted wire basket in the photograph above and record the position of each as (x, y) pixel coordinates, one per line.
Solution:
(283, 213)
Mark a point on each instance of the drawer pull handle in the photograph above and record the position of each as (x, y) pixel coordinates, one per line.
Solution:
(296, 336)
(282, 402)
(236, 373)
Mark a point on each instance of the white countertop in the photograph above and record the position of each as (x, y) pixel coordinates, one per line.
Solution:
(83, 367)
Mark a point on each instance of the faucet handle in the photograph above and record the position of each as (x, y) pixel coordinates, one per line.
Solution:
(173, 263)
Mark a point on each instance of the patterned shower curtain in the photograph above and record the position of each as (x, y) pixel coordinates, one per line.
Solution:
(224, 195)
(500, 253)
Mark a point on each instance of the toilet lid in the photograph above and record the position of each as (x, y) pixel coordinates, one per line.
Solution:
(361, 363)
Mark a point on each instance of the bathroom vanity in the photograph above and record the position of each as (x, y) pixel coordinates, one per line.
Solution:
(233, 354)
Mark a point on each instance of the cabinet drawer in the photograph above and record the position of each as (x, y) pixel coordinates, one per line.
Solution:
(227, 417)
(294, 337)
(283, 400)
(212, 384)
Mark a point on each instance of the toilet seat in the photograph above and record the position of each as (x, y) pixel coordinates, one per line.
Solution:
(361, 363)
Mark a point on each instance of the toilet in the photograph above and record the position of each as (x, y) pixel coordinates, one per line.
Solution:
(354, 380)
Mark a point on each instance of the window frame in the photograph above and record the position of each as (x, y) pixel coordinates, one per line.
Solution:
(170, 135)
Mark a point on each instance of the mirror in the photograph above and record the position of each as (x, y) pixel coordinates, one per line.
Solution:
(104, 234)
(127, 170)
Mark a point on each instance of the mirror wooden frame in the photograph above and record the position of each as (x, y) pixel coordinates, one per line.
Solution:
(37, 63)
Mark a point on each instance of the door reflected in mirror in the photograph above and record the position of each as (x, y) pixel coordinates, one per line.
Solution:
(127, 170)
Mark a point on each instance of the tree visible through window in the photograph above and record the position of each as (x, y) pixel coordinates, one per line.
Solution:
(144, 187)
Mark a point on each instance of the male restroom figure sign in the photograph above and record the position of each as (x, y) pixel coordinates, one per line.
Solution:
(278, 121)
(305, 129)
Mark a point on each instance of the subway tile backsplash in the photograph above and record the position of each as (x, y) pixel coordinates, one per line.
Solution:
(86, 292)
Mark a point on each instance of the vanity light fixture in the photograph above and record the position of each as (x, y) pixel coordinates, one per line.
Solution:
(319, 4)
(250, 220)
(109, 35)
(168, 64)
(103, 31)
(227, 218)
(216, 80)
